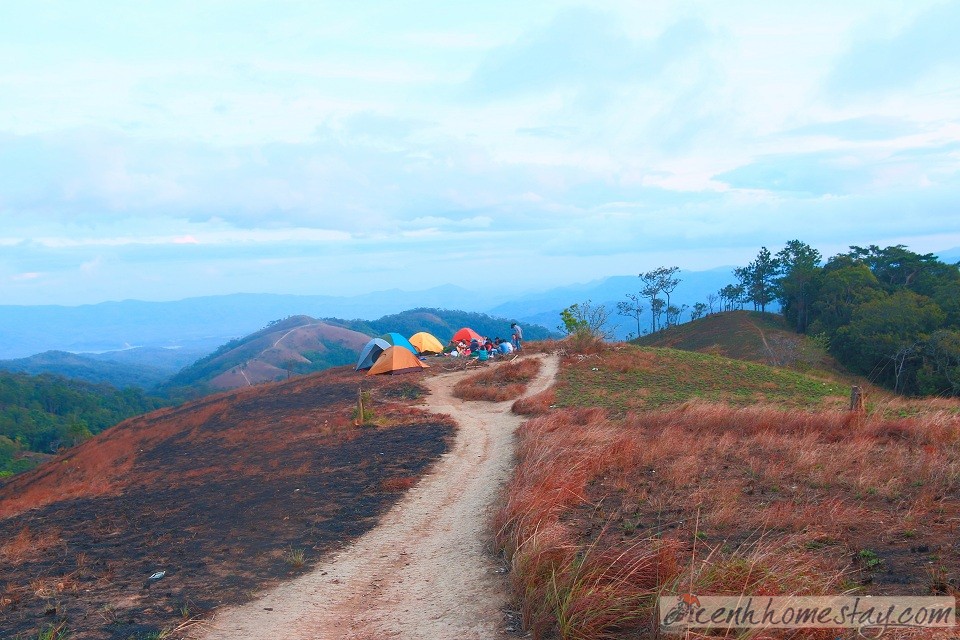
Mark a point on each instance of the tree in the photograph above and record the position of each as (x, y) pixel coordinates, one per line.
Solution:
(894, 266)
(585, 319)
(631, 308)
(884, 337)
(651, 289)
(712, 300)
(661, 279)
(841, 287)
(799, 264)
(941, 369)
(669, 283)
(732, 296)
(697, 311)
(657, 308)
(758, 279)
(673, 314)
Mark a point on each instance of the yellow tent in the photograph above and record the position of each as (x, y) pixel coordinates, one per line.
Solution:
(396, 360)
(426, 343)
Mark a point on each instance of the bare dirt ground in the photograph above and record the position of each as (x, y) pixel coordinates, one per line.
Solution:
(426, 571)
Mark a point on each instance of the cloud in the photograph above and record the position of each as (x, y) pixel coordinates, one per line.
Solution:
(581, 49)
(864, 128)
(875, 65)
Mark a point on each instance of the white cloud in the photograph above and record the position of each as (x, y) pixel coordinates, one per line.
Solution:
(457, 140)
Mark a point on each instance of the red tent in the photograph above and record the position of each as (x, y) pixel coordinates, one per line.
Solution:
(466, 334)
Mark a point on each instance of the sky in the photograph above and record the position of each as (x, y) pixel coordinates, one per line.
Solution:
(164, 150)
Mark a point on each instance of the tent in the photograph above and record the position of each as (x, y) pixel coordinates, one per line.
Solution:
(426, 343)
(396, 360)
(467, 334)
(370, 352)
(398, 340)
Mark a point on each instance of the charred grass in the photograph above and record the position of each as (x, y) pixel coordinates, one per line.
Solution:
(226, 496)
(611, 506)
(499, 382)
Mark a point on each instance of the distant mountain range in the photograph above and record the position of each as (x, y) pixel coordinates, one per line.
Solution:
(200, 325)
(294, 345)
(203, 324)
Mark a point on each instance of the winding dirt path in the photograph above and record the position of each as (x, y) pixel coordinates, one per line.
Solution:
(426, 570)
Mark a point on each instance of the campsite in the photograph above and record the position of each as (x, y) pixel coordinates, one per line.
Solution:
(455, 321)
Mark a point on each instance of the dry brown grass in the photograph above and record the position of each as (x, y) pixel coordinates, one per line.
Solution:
(398, 484)
(27, 544)
(721, 500)
(535, 405)
(500, 382)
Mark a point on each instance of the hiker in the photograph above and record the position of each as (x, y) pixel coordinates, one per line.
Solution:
(504, 346)
(517, 336)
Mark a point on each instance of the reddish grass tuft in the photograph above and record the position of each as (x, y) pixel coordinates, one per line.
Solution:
(535, 405)
(27, 544)
(398, 484)
(503, 381)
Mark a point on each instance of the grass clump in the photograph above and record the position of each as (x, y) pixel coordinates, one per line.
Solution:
(295, 557)
(54, 632)
(504, 381)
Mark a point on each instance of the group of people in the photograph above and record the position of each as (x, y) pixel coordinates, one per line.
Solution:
(485, 348)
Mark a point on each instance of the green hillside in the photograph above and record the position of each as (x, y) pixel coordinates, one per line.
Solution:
(43, 413)
(88, 369)
(632, 378)
(745, 335)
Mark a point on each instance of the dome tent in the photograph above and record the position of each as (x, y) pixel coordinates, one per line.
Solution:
(370, 352)
(398, 340)
(426, 343)
(466, 335)
(396, 360)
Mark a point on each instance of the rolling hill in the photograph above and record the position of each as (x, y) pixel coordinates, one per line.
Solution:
(299, 344)
(90, 369)
(745, 335)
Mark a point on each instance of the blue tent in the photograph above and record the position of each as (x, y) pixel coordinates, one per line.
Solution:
(370, 352)
(398, 340)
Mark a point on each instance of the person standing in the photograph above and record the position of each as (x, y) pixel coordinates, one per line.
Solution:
(517, 336)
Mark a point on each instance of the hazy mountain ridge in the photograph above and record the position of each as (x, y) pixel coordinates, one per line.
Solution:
(80, 367)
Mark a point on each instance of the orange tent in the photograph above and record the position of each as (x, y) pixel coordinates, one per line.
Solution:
(396, 360)
(466, 334)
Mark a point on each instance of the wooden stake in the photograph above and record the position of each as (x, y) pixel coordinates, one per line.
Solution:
(856, 399)
(359, 420)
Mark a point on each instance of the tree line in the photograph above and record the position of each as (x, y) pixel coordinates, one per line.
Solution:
(889, 314)
(44, 413)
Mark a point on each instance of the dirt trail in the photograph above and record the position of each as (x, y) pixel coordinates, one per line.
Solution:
(426, 570)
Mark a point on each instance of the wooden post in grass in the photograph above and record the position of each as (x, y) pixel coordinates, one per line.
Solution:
(359, 420)
(856, 399)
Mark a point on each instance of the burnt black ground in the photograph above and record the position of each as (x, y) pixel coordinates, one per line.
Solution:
(223, 510)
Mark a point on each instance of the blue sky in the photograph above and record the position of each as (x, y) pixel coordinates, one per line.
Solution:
(163, 150)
